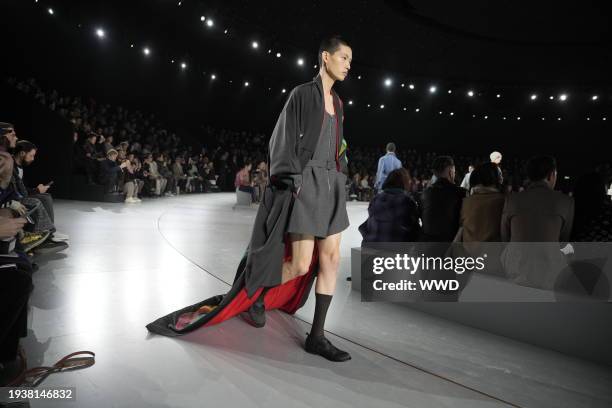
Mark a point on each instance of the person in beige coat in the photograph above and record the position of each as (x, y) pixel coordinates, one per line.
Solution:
(481, 212)
(541, 215)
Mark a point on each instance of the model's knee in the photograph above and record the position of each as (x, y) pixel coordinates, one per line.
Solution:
(302, 266)
(330, 260)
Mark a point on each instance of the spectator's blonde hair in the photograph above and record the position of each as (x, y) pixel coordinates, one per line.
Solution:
(112, 152)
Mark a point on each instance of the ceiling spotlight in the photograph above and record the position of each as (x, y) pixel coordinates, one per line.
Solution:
(146, 51)
(470, 93)
(518, 118)
(100, 33)
(246, 84)
(498, 96)
(225, 31)
(172, 61)
(558, 118)
(551, 97)
(278, 55)
(131, 45)
(534, 97)
(405, 108)
(473, 116)
(213, 76)
(284, 90)
(179, 3)
(388, 82)
(432, 89)
(543, 118)
(368, 105)
(595, 97)
(417, 110)
(300, 62)
(450, 91)
(452, 113)
(202, 18)
(50, 11)
(382, 106)
(486, 117)
(350, 102)
(411, 86)
(562, 97)
(210, 23)
(440, 112)
(183, 65)
(315, 66)
(604, 118)
(254, 44)
(504, 118)
(588, 118)
(403, 85)
(269, 51)
(359, 77)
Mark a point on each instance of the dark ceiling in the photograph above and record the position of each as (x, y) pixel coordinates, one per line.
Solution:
(512, 47)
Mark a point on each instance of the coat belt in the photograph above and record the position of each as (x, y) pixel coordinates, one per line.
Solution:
(326, 164)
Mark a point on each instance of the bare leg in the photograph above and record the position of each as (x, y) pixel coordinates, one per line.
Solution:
(329, 262)
(301, 257)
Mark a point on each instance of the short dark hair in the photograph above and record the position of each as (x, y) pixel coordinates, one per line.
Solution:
(440, 164)
(486, 174)
(391, 147)
(398, 178)
(24, 146)
(539, 167)
(331, 45)
(4, 128)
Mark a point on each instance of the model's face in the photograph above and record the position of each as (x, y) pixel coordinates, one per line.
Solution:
(338, 64)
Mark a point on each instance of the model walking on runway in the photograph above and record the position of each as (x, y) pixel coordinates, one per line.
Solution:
(310, 130)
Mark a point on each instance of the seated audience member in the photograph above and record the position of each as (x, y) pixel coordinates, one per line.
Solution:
(393, 215)
(481, 212)
(261, 179)
(166, 173)
(541, 215)
(152, 170)
(593, 219)
(86, 158)
(38, 202)
(24, 155)
(15, 282)
(441, 203)
(243, 181)
(131, 183)
(110, 171)
(179, 174)
(195, 181)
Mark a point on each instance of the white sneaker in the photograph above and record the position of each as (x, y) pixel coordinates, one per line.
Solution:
(138, 200)
(130, 201)
(57, 236)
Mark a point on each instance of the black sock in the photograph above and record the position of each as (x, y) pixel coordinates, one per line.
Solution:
(321, 306)
(262, 295)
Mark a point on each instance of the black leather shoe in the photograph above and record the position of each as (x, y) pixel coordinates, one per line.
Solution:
(322, 347)
(256, 315)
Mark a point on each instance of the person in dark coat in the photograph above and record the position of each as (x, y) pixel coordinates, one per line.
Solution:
(279, 268)
(441, 203)
(393, 215)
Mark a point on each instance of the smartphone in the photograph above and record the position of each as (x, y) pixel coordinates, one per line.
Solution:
(49, 184)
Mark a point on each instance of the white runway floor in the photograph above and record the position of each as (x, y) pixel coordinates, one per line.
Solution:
(129, 264)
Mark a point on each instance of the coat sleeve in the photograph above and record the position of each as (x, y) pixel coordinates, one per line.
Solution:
(284, 162)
